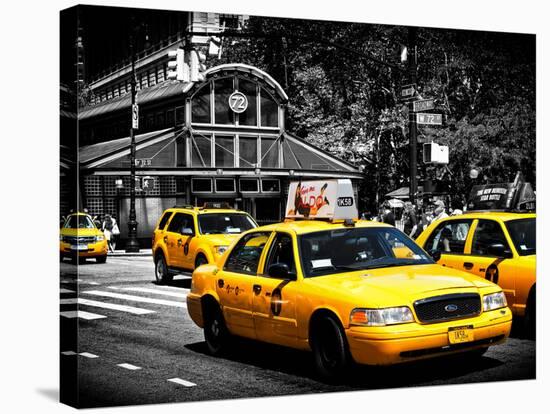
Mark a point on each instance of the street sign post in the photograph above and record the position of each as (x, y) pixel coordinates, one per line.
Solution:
(429, 119)
(135, 116)
(408, 91)
(423, 105)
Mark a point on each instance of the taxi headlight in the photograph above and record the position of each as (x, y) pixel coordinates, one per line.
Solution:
(381, 317)
(99, 238)
(494, 301)
(220, 249)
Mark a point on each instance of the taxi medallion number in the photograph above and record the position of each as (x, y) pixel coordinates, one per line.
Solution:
(461, 334)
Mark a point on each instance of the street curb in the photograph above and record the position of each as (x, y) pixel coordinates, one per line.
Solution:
(122, 253)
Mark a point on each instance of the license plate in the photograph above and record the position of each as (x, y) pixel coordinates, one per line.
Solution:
(461, 334)
(79, 247)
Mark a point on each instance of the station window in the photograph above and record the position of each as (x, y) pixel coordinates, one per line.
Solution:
(270, 153)
(249, 185)
(200, 112)
(201, 185)
(180, 115)
(248, 152)
(225, 151)
(225, 185)
(223, 88)
(270, 185)
(201, 154)
(249, 117)
(269, 110)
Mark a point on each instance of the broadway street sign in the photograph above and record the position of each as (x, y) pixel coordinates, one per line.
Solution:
(423, 105)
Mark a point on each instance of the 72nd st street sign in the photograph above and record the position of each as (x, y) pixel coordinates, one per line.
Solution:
(429, 119)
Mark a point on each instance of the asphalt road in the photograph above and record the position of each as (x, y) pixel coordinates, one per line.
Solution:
(139, 346)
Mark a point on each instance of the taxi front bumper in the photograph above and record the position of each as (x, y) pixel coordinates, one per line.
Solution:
(407, 342)
(87, 250)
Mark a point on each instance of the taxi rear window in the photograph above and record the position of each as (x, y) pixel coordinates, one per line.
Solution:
(164, 220)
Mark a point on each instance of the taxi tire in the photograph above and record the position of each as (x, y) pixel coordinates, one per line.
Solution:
(101, 259)
(330, 348)
(200, 260)
(530, 321)
(161, 270)
(216, 334)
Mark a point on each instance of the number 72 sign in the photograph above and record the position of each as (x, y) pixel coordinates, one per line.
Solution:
(429, 119)
(238, 102)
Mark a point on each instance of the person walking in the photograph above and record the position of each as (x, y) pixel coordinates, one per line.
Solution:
(439, 210)
(410, 220)
(107, 228)
(388, 216)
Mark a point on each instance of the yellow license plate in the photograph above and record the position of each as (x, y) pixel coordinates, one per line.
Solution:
(460, 334)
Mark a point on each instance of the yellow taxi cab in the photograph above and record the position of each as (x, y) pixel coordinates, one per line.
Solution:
(348, 290)
(80, 238)
(188, 237)
(499, 246)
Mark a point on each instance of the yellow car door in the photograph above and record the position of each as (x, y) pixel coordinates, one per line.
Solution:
(234, 283)
(492, 258)
(274, 301)
(449, 238)
(173, 240)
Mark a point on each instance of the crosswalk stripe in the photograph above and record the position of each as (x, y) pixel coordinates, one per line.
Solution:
(179, 289)
(105, 305)
(136, 298)
(182, 382)
(88, 355)
(128, 366)
(81, 314)
(84, 282)
(154, 291)
(68, 353)
(66, 290)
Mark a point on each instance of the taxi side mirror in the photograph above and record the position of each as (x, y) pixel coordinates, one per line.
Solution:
(281, 271)
(499, 250)
(435, 254)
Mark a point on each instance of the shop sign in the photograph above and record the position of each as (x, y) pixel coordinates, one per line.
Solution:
(332, 199)
(238, 102)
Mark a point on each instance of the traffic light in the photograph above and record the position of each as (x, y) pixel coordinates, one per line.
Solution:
(177, 68)
(196, 66)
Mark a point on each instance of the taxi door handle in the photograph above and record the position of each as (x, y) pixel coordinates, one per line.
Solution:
(220, 283)
(165, 238)
(468, 265)
(179, 242)
(257, 289)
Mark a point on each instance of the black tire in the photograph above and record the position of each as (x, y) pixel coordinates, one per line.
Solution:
(216, 334)
(101, 259)
(161, 270)
(530, 320)
(200, 260)
(330, 348)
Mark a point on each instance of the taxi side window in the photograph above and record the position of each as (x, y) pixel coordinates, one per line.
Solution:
(164, 220)
(487, 232)
(281, 252)
(449, 237)
(179, 222)
(245, 257)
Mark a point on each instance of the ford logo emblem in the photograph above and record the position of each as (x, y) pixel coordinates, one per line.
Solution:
(451, 308)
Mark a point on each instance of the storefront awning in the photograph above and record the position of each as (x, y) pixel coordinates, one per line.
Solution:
(402, 193)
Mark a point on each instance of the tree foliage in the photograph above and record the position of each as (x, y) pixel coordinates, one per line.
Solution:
(483, 82)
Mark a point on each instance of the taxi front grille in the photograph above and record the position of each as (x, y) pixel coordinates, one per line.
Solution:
(79, 240)
(447, 307)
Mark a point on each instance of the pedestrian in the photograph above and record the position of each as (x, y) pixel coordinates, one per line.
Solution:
(387, 215)
(107, 228)
(410, 220)
(115, 232)
(439, 210)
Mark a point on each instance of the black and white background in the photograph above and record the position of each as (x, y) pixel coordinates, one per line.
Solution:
(30, 350)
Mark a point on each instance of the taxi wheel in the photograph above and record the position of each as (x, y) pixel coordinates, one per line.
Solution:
(161, 270)
(330, 349)
(215, 331)
(101, 259)
(200, 260)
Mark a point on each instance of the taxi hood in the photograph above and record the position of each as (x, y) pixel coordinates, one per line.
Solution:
(80, 232)
(399, 285)
(221, 239)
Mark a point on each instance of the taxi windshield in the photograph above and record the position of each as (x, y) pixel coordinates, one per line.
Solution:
(79, 222)
(225, 223)
(523, 234)
(337, 251)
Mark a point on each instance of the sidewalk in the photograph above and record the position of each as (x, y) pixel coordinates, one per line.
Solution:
(142, 252)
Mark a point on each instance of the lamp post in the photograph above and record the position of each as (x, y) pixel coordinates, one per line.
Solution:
(412, 118)
(132, 245)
